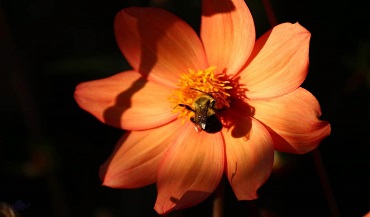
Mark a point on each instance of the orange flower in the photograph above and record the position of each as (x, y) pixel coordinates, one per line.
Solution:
(255, 86)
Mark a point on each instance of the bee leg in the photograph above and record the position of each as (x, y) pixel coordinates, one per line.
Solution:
(186, 106)
(196, 126)
(192, 120)
(212, 105)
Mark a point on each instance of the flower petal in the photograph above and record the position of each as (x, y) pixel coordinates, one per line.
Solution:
(249, 157)
(158, 44)
(279, 62)
(292, 120)
(191, 170)
(135, 160)
(228, 33)
(126, 100)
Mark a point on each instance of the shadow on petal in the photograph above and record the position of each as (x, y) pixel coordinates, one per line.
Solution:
(237, 118)
(123, 102)
(258, 46)
(278, 140)
(189, 199)
(145, 62)
(218, 7)
(158, 44)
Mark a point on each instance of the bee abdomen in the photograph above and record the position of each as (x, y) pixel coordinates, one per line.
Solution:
(213, 124)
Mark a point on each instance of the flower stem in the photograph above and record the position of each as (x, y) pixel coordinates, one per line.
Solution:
(270, 13)
(325, 183)
(218, 200)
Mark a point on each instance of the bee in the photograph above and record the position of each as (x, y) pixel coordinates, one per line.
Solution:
(204, 108)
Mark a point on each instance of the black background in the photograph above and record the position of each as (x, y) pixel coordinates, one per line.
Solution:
(51, 149)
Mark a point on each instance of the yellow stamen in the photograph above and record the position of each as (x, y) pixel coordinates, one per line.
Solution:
(195, 83)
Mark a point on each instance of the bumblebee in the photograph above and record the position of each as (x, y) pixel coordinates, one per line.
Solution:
(204, 108)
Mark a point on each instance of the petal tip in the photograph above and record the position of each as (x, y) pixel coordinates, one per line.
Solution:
(301, 29)
(80, 94)
(246, 195)
(163, 210)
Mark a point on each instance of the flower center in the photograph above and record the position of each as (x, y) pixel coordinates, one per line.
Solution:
(195, 84)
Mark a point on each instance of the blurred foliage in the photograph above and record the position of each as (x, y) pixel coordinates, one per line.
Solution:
(359, 64)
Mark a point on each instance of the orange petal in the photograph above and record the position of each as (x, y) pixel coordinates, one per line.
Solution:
(249, 156)
(228, 33)
(367, 214)
(135, 160)
(158, 44)
(279, 62)
(293, 121)
(191, 170)
(126, 100)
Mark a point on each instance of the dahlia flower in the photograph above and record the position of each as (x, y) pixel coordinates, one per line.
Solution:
(252, 89)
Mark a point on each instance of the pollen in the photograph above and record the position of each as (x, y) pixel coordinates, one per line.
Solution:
(195, 83)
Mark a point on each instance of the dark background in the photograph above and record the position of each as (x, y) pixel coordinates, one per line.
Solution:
(51, 150)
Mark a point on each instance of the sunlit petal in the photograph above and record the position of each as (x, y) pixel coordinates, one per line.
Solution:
(279, 62)
(228, 33)
(158, 44)
(126, 100)
(249, 156)
(293, 121)
(191, 170)
(135, 160)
